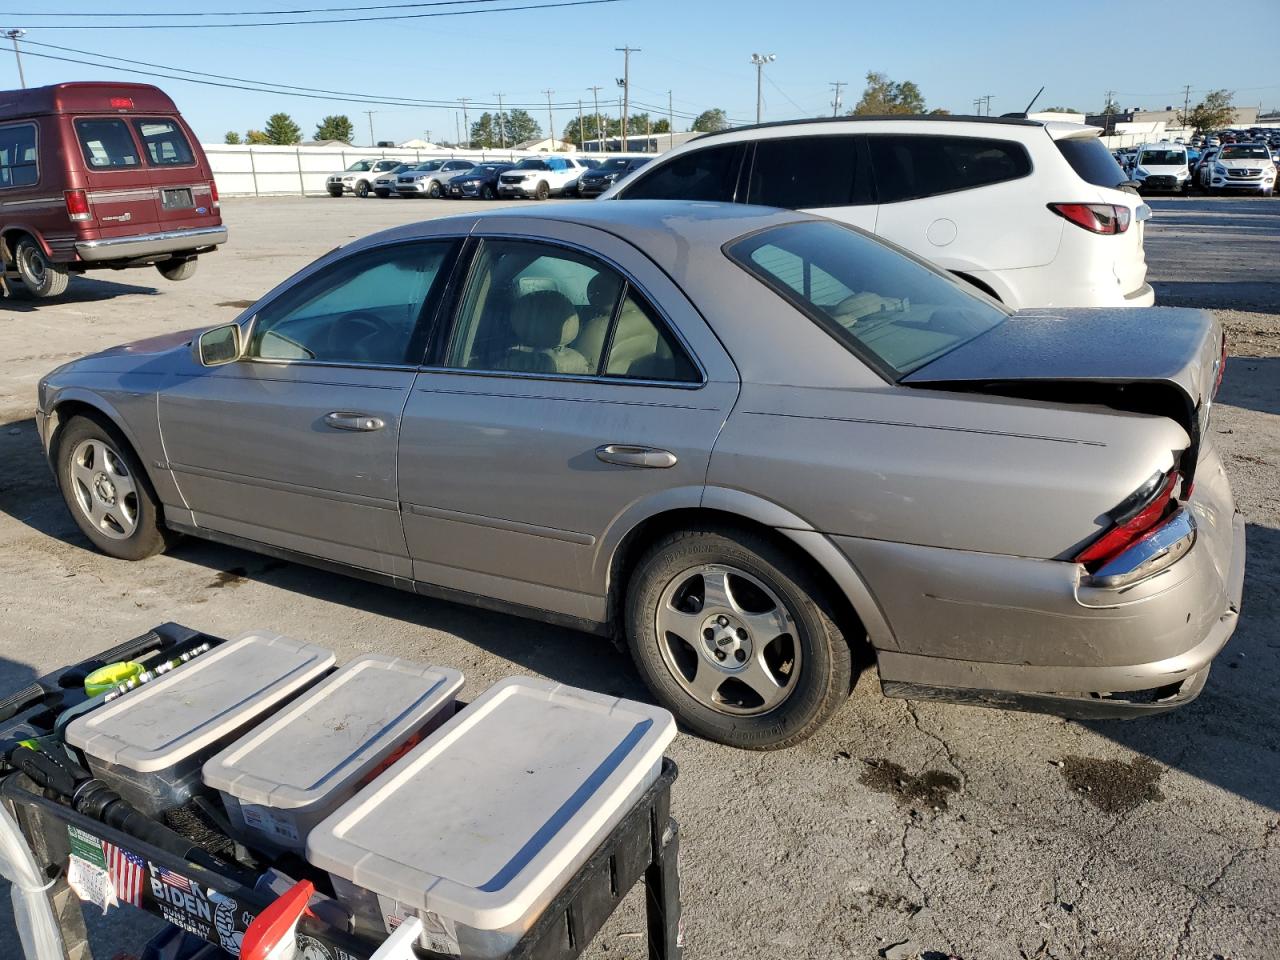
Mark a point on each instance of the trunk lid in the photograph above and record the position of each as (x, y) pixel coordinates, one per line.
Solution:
(1161, 360)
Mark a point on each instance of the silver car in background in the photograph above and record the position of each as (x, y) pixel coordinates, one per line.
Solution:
(429, 179)
(754, 444)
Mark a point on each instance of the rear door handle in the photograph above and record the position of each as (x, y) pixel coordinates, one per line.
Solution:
(344, 420)
(628, 455)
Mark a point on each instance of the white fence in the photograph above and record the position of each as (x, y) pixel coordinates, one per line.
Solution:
(258, 171)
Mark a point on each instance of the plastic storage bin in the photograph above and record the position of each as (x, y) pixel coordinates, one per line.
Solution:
(477, 828)
(291, 771)
(149, 744)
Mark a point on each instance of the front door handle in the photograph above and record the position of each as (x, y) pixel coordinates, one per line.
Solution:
(344, 420)
(629, 455)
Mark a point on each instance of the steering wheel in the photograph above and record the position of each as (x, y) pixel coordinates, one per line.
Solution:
(354, 333)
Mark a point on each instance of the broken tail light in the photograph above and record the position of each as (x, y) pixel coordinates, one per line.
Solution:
(1138, 514)
(1103, 218)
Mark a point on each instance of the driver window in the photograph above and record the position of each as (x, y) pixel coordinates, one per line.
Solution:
(364, 309)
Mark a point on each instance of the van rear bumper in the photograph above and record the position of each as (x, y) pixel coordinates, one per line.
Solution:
(150, 244)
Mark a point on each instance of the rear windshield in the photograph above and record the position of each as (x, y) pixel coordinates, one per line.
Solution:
(107, 144)
(531, 164)
(1092, 162)
(164, 142)
(1162, 158)
(894, 313)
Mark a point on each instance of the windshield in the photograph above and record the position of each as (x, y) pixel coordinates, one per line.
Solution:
(532, 163)
(1162, 158)
(430, 165)
(895, 313)
(358, 167)
(1092, 162)
(400, 168)
(483, 170)
(614, 165)
(1244, 151)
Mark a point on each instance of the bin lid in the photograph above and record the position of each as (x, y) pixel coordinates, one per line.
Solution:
(200, 702)
(484, 816)
(336, 733)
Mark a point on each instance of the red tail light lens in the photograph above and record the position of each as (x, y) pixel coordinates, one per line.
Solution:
(78, 205)
(122, 103)
(1149, 506)
(1104, 218)
(213, 193)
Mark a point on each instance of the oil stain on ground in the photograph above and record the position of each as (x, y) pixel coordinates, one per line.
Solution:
(238, 576)
(238, 304)
(1114, 786)
(931, 788)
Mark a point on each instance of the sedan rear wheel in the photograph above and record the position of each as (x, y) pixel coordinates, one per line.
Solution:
(737, 638)
(542, 191)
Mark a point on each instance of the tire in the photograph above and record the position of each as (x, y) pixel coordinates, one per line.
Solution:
(433, 191)
(177, 269)
(804, 667)
(541, 191)
(362, 189)
(486, 193)
(41, 276)
(124, 525)
(335, 191)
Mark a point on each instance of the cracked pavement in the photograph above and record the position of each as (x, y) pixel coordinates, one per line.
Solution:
(784, 855)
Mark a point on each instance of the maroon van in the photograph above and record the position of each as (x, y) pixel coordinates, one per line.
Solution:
(97, 175)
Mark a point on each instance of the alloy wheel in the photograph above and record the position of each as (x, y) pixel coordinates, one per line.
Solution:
(104, 489)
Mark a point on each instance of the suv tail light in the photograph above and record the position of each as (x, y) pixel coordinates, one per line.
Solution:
(1104, 218)
(1138, 514)
(78, 205)
(213, 194)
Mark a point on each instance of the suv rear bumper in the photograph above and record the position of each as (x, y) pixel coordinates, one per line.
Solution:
(150, 244)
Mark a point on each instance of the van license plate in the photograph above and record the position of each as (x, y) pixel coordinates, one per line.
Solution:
(177, 199)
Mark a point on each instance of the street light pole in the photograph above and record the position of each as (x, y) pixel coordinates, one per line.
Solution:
(14, 35)
(760, 60)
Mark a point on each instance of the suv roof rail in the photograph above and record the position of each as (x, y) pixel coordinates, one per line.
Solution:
(1009, 119)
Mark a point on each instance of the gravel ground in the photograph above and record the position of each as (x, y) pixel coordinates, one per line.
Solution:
(903, 827)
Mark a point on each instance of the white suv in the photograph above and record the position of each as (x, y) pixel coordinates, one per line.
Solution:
(1162, 166)
(1033, 213)
(540, 178)
(1240, 166)
(358, 177)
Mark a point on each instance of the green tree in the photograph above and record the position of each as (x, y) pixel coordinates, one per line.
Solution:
(338, 127)
(232, 137)
(1061, 110)
(256, 137)
(709, 121)
(662, 126)
(281, 130)
(1212, 113)
(520, 126)
(884, 97)
(484, 131)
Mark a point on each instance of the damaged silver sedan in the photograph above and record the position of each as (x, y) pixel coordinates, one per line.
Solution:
(749, 443)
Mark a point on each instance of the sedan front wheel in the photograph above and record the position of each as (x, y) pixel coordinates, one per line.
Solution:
(737, 638)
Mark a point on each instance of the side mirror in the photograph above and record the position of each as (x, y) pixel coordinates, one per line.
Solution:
(218, 345)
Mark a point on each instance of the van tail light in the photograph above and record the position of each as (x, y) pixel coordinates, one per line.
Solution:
(1138, 514)
(1104, 218)
(213, 194)
(121, 103)
(78, 205)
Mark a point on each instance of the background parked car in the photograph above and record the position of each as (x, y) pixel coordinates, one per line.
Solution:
(1240, 167)
(609, 171)
(358, 178)
(481, 181)
(429, 179)
(1162, 167)
(1033, 213)
(384, 184)
(541, 178)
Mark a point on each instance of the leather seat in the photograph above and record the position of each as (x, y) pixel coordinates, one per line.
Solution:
(545, 322)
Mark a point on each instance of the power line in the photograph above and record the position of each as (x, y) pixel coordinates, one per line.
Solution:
(290, 23)
(803, 111)
(260, 13)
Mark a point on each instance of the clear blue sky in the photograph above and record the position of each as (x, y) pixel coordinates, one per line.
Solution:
(699, 49)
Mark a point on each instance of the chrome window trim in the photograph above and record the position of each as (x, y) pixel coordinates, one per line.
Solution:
(670, 325)
(567, 377)
(28, 186)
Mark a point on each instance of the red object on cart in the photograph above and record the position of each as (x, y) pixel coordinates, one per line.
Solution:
(273, 933)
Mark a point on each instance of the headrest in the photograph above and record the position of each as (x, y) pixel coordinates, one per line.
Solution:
(544, 320)
(602, 291)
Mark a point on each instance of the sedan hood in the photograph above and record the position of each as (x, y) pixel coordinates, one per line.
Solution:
(152, 345)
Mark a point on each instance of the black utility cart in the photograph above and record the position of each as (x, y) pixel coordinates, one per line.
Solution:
(216, 873)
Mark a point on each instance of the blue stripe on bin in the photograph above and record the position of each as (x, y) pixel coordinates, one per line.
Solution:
(567, 809)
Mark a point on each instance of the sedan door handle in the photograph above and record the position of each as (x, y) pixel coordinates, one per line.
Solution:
(628, 455)
(342, 420)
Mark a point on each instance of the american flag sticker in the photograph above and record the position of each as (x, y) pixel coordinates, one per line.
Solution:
(127, 872)
(171, 879)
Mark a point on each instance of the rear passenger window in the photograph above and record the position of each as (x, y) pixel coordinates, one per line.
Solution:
(911, 167)
(107, 144)
(164, 142)
(18, 156)
(641, 348)
(710, 174)
(809, 172)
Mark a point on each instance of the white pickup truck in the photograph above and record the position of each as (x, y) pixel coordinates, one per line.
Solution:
(540, 178)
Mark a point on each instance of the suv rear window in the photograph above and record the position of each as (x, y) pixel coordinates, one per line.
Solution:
(1092, 162)
(164, 142)
(107, 144)
(911, 167)
(805, 173)
(710, 174)
(894, 313)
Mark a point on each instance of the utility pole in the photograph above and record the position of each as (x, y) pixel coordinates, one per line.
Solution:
(596, 92)
(622, 134)
(551, 123)
(370, 113)
(582, 134)
(648, 131)
(1108, 113)
(835, 103)
(1186, 103)
(626, 84)
(986, 100)
(502, 124)
(14, 35)
(457, 133)
(760, 60)
(671, 123)
(466, 121)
